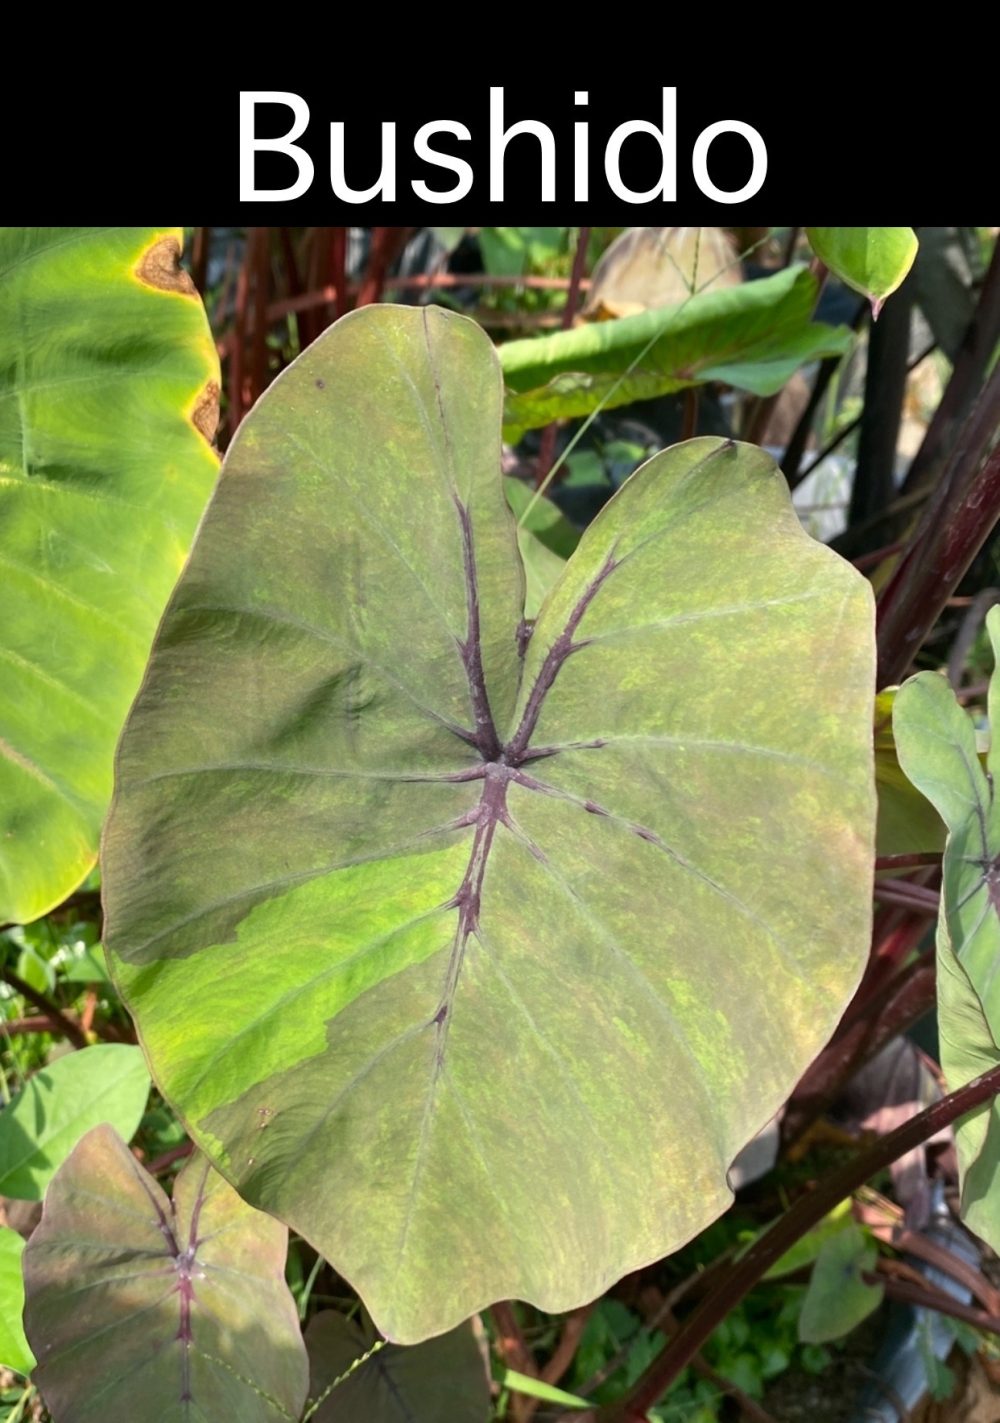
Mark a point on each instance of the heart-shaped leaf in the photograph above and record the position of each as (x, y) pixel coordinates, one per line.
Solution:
(871, 260)
(108, 399)
(838, 1297)
(936, 744)
(480, 968)
(156, 1311)
(59, 1104)
(754, 336)
(443, 1380)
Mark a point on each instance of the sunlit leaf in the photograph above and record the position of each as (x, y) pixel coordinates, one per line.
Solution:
(536, 943)
(14, 1351)
(108, 398)
(872, 260)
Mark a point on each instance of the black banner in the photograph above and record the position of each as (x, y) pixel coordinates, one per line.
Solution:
(676, 146)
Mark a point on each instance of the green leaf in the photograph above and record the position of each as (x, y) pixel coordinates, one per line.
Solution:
(59, 1104)
(871, 260)
(513, 251)
(441, 1381)
(936, 743)
(754, 336)
(86, 966)
(108, 396)
(838, 1299)
(808, 1247)
(907, 821)
(549, 526)
(154, 1310)
(36, 973)
(14, 1351)
(532, 948)
(537, 1388)
(545, 540)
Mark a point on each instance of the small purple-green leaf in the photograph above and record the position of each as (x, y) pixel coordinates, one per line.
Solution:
(443, 1380)
(146, 1310)
(871, 260)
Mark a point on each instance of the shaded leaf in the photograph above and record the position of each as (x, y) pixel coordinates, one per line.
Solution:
(59, 1104)
(837, 1298)
(870, 260)
(440, 1381)
(573, 926)
(108, 395)
(907, 821)
(545, 540)
(145, 1310)
(14, 1351)
(753, 336)
(936, 743)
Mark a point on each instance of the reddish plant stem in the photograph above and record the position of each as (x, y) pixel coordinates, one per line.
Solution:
(260, 261)
(908, 862)
(200, 244)
(387, 244)
(19, 1027)
(955, 524)
(547, 444)
(338, 270)
(913, 1243)
(65, 1025)
(237, 347)
(807, 1211)
(899, 1004)
(515, 1353)
(878, 555)
(977, 346)
(911, 896)
(930, 1298)
(176, 1153)
(689, 423)
(563, 1354)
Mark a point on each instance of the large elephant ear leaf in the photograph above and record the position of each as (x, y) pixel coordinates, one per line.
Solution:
(936, 744)
(108, 402)
(157, 1310)
(536, 942)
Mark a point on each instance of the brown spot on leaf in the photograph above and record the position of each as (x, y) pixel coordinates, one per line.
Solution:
(160, 266)
(205, 415)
